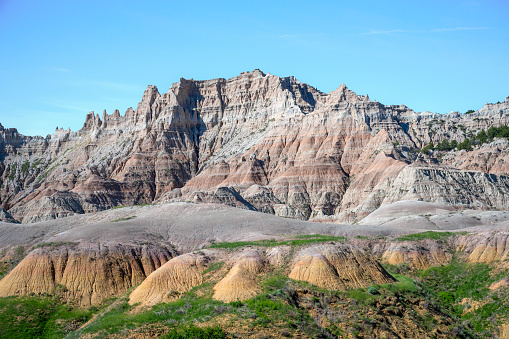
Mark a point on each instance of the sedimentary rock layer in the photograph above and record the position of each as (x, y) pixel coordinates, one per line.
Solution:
(338, 267)
(256, 141)
(85, 273)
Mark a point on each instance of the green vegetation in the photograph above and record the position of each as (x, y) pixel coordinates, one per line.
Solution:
(25, 167)
(184, 315)
(298, 240)
(368, 237)
(125, 218)
(469, 111)
(426, 149)
(45, 174)
(465, 144)
(192, 331)
(54, 244)
(39, 317)
(459, 283)
(36, 163)
(215, 266)
(12, 171)
(453, 299)
(480, 138)
(429, 235)
(433, 297)
(18, 255)
(445, 145)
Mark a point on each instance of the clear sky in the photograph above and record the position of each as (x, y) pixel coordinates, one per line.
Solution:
(62, 59)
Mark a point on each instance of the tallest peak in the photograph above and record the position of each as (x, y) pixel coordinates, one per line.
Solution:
(258, 72)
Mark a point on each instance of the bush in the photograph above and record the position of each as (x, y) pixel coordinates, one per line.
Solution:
(465, 144)
(372, 290)
(428, 148)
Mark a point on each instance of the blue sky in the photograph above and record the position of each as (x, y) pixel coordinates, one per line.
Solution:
(62, 59)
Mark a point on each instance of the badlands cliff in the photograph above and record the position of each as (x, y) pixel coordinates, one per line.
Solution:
(259, 142)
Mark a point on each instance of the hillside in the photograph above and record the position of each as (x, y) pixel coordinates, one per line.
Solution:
(150, 271)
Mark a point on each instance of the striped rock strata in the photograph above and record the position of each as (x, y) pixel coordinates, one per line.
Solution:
(255, 141)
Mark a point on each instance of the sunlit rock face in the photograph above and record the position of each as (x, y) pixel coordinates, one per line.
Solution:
(256, 141)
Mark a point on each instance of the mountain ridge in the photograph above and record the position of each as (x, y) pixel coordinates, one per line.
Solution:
(254, 141)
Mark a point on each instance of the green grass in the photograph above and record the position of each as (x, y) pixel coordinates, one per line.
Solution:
(429, 235)
(275, 282)
(458, 280)
(461, 279)
(215, 266)
(39, 317)
(269, 309)
(191, 331)
(55, 244)
(125, 218)
(186, 310)
(403, 286)
(298, 240)
(43, 175)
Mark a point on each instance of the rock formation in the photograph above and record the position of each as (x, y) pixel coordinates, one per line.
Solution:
(259, 142)
(338, 267)
(87, 273)
(241, 282)
(178, 275)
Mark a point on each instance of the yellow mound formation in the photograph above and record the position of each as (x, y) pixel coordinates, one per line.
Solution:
(241, 282)
(176, 276)
(338, 267)
(85, 274)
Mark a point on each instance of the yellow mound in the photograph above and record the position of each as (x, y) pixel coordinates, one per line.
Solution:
(241, 282)
(500, 284)
(419, 256)
(86, 274)
(176, 276)
(337, 267)
(485, 247)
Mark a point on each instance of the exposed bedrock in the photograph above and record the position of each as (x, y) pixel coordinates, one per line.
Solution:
(178, 275)
(86, 273)
(333, 266)
(256, 141)
(338, 267)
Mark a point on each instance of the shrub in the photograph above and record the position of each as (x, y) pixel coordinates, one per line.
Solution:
(372, 290)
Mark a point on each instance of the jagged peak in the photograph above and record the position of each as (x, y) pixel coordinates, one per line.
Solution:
(91, 120)
(258, 72)
(149, 97)
(343, 93)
